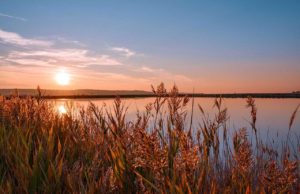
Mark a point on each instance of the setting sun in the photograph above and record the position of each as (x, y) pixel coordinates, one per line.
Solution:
(62, 78)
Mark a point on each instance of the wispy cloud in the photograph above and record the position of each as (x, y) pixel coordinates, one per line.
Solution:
(31, 62)
(124, 51)
(13, 17)
(162, 74)
(46, 52)
(69, 41)
(148, 69)
(16, 39)
(55, 57)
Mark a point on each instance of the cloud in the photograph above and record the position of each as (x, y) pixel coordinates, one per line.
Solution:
(162, 74)
(86, 78)
(124, 51)
(31, 62)
(13, 17)
(45, 53)
(148, 69)
(68, 41)
(16, 39)
(55, 57)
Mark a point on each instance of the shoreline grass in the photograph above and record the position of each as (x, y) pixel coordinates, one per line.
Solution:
(95, 150)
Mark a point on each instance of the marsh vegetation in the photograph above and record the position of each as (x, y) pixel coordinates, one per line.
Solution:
(97, 150)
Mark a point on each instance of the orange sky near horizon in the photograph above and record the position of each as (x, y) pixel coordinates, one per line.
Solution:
(264, 82)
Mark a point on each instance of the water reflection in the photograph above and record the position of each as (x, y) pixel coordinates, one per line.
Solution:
(61, 109)
(272, 118)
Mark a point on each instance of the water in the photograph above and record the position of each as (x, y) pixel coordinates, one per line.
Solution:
(273, 115)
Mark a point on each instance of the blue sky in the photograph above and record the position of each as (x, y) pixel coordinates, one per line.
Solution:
(212, 46)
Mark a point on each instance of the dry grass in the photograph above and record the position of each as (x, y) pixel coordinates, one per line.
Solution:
(95, 150)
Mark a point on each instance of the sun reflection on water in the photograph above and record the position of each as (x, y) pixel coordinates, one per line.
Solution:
(61, 109)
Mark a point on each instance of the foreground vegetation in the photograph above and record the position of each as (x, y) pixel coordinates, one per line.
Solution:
(96, 150)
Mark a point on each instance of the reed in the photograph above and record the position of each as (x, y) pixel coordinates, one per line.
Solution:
(97, 150)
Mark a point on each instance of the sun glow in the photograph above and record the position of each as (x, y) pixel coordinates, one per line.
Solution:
(62, 78)
(61, 109)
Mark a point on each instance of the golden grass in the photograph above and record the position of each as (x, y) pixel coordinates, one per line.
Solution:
(95, 150)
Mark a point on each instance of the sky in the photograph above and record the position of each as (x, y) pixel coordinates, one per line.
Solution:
(209, 46)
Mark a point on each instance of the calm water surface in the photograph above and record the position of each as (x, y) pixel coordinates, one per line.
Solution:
(273, 115)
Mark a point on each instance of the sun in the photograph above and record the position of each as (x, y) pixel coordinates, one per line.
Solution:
(62, 78)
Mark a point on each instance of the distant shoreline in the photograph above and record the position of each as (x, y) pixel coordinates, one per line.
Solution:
(100, 94)
(229, 95)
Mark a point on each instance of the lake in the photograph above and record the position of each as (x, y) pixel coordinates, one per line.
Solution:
(273, 115)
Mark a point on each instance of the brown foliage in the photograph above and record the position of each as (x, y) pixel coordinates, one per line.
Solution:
(97, 150)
